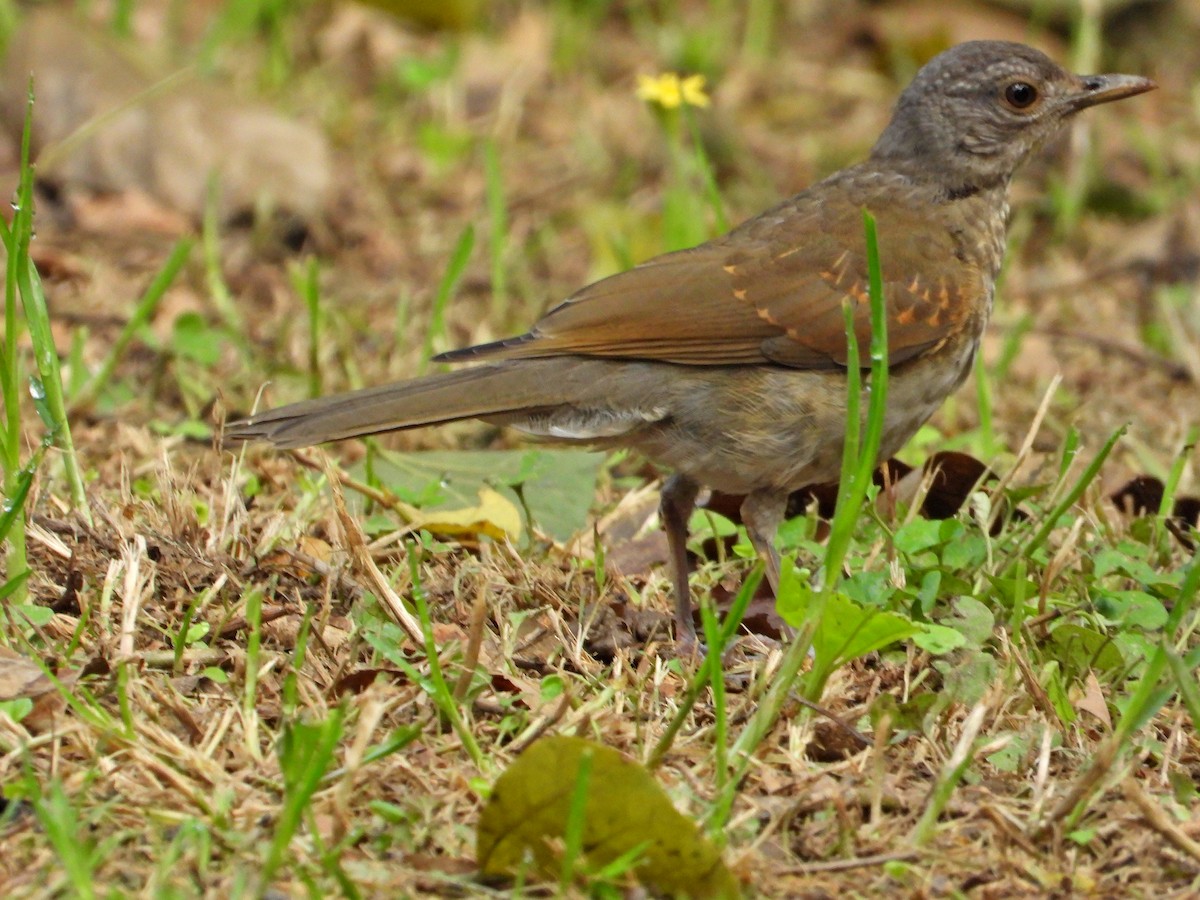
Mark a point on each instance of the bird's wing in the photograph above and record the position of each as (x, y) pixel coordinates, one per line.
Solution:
(771, 291)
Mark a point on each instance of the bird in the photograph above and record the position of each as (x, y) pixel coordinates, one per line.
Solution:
(727, 362)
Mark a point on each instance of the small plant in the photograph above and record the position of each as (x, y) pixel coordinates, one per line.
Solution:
(21, 280)
(692, 186)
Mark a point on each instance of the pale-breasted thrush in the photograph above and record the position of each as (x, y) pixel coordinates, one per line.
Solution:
(726, 362)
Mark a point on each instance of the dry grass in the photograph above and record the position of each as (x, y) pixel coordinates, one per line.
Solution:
(173, 777)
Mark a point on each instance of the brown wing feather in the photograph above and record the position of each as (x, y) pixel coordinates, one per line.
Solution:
(801, 290)
(770, 291)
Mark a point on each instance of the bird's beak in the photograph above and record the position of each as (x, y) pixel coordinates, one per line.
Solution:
(1096, 89)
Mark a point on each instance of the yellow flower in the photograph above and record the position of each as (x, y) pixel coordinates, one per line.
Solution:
(670, 91)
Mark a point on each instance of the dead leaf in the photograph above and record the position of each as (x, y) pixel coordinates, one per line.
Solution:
(1092, 700)
(954, 477)
(315, 548)
(21, 677)
(495, 516)
(621, 625)
(636, 558)
(1140, 496)
(1143, 495)
(556, 486)
(358, 681)
(625, 810)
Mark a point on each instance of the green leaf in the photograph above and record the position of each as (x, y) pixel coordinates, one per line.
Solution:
(1056, 690)
(1082, 648)
(907, 716)
(918, 535)
(869, 588)
(193, 338)
(967, 677)
(552, 687)
(931, 583)
(1007, 589)
(1134, 609)
(10, 587)
(557, 486)
(847, 631)
(705, 524)
(965, 552)
(35, 615)
(17, 708)
(973, 620)
(939, 639)
(1011, 757)
(625, 814)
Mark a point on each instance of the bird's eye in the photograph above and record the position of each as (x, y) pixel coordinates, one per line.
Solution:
(1020, 95)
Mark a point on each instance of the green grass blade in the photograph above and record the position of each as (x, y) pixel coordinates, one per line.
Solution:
(60, 823)
(441, 692)
(576, 822)
(10, 445)
(1181, 460)
(210, 245)
(143, 311)
(1072, 497)
(858, 466)
(454, 271)
(1188, 687)
(14, 500)
(712, 193)
(305, 754)
(37, 320)
(700, 680)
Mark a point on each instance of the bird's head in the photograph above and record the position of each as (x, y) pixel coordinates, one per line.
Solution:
(975, 112)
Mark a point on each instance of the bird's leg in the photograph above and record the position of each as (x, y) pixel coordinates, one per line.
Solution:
(676, 503)
(762, 513)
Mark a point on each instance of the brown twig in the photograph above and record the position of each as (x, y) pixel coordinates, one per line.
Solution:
(1083, 787)
(337, 474)
(1157, 819)
(855, 862)
(479, 610)
(858, 737)
(356, 543)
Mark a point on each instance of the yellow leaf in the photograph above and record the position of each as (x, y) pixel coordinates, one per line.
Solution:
(495, 516)
(625, 810)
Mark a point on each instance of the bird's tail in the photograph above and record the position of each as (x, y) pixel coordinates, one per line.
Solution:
(484, 391)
